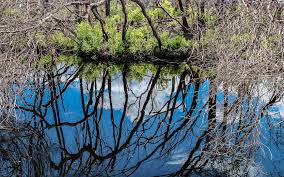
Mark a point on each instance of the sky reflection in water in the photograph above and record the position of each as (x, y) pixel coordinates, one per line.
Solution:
(160, 124)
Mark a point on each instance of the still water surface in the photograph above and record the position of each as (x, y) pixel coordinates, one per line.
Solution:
(149, 122)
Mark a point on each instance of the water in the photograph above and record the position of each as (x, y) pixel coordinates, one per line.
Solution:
(139, 120)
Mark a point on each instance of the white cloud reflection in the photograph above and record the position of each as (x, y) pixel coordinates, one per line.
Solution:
(137, 93)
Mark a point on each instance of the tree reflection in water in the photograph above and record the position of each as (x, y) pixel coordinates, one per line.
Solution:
(119, 124)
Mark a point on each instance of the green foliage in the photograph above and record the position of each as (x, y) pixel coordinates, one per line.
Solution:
(114, 19)
(135, 72)
(156, 13)
(173, 70)
(114, 44)
(69, 59)
(92, 71)
(192, 14)
(238, 41)
(13, 12)
(45, 59)
(209, 17)
(282, 14)
(201, 72)
(140, 40)
(114, 69)
(210, 36)
(62, 40)
(90, 38)
(175, 43)
(135, 14)
(272, 42)
(169, 71)
(166, 4)
(41, 39)
(138, 71)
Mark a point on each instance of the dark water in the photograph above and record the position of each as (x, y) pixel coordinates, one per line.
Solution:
(139, 120)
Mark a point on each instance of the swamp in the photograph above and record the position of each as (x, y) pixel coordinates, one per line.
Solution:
(141, 88)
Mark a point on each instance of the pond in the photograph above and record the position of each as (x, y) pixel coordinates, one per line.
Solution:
(140, 120)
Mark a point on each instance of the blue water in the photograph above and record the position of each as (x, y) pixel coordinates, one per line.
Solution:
(268, 156)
